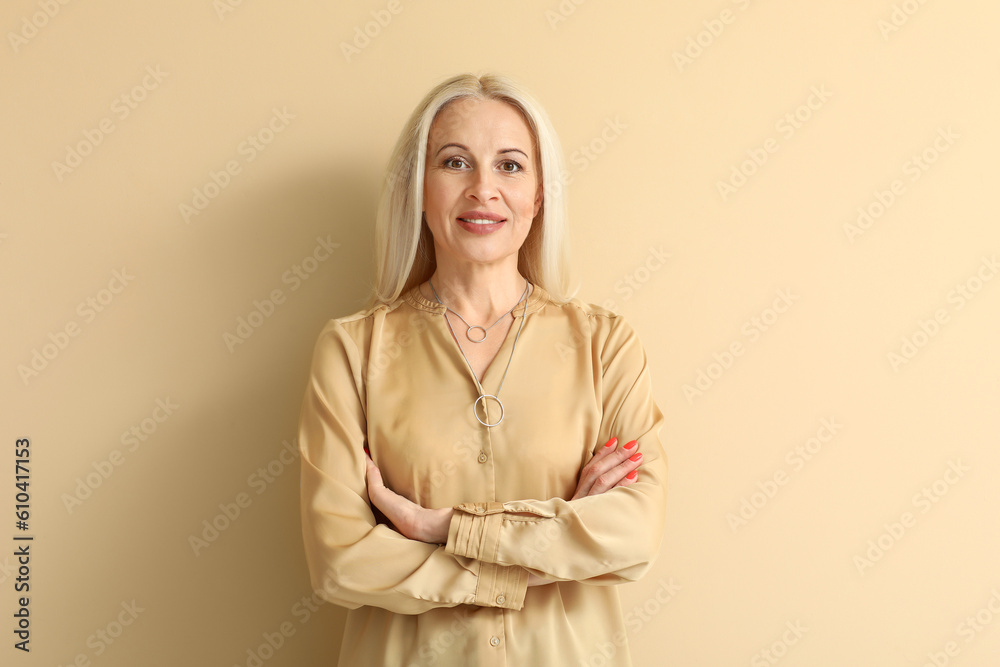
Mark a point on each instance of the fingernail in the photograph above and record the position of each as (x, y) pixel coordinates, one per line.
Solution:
(633, 474)
(631, 444)
(612, 442)
(635, 457)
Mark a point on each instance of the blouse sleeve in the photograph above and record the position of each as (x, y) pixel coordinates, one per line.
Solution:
(354, 561)
(604, 539)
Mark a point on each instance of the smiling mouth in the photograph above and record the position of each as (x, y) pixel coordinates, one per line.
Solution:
(479, 221)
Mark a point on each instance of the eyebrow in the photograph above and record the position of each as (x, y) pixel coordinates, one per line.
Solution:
(465, 148)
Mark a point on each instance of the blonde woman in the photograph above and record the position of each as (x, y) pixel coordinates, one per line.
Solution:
(480, 454)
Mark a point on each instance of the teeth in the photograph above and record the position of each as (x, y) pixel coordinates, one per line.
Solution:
(481, 222)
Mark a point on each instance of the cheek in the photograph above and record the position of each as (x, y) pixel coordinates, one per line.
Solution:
(524, 201)
(443, 192)
(433, 194)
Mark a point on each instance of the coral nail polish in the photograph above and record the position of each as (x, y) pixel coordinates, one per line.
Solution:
(635, 457)
(633, 474)
(631, 444)
(612, 442)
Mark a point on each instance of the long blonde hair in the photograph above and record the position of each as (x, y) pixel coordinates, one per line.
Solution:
(404, 247)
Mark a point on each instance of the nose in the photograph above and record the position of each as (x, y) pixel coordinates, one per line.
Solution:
(482, 186)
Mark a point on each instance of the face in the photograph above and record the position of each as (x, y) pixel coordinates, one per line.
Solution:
(482, 183)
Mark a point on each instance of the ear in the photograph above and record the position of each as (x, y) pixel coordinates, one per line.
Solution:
(538, 203)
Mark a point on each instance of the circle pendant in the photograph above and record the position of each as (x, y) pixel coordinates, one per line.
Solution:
(475, 409)
(468, 334)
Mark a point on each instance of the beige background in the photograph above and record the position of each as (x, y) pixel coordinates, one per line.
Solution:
(648, 138)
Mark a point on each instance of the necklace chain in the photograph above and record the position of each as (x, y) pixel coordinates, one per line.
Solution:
(483, 396)
(468, 333)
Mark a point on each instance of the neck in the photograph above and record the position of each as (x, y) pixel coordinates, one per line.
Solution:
(480, 295)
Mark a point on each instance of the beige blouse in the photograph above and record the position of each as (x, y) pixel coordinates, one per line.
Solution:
(393, 378)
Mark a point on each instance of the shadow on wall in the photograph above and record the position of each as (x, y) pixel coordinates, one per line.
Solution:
(216, 561)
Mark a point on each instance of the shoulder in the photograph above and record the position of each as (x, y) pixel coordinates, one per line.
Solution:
(363, 320)
(584, 309)
(602, 321)
(354, 330)
(598, 332)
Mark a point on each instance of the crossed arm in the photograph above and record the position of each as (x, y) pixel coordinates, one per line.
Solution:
(610, 467)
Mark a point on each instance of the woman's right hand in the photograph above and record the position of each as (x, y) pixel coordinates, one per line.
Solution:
(610, 467)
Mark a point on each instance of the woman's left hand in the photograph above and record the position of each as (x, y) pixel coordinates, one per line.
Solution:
(409, 518)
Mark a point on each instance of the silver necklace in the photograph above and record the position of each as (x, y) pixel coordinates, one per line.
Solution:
(468, 333)
(483, 396)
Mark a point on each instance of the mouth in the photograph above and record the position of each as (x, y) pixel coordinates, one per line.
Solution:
(482, 221)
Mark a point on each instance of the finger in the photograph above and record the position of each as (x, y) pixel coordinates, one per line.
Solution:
(378, 493)
(599, 464)
(614, 476)
(587, 477)
(598, 469)
(587, 472)
(373, 473)
(608, 448)
(602, 453)
(617, 476)
(391, 504)
(630, 478)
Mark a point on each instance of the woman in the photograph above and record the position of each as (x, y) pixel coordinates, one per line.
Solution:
(515, 473)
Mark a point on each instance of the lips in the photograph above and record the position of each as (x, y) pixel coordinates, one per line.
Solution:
(481, 217)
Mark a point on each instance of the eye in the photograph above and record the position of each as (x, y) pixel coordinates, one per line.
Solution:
(454, 162)
(510, 167)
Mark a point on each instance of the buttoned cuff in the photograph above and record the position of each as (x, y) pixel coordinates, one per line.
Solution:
(474, 532)
(501, 586)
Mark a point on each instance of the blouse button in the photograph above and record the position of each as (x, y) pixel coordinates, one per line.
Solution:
(494, 641)
(501, 599)
(482, 457)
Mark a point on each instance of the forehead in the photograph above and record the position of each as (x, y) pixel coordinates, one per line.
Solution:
(480, 123)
